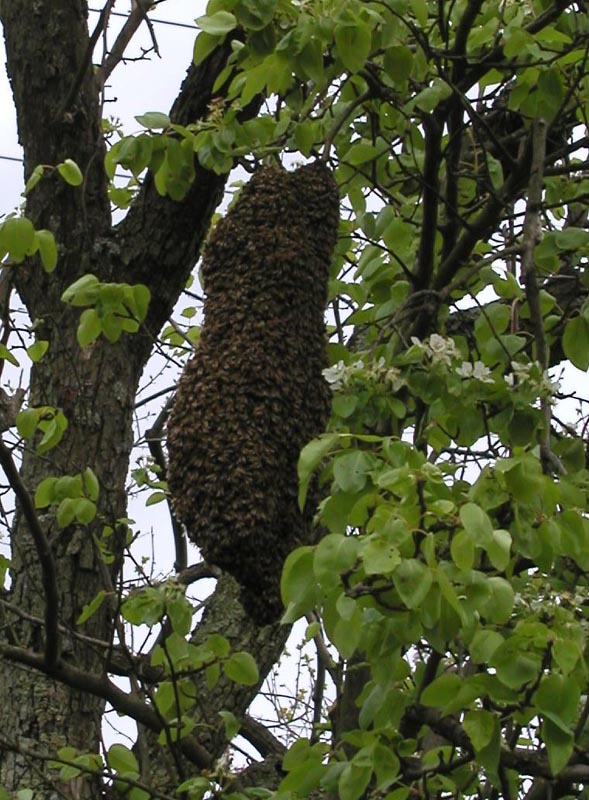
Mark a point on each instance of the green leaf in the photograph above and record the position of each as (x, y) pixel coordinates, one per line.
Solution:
(353, 42)
(231, 723)
(17, 237)
(559, 745)
(180, 613)
(70, 172)
(204, 45)
(7, 355)
(353, 781)
(89, 327)
(44, 494)
(83, 292)
(255, 14)
(310, 458)
(477, 523)
(462, 549)
(413, 581)
(120, 759)
(298, 587)
(501, 605)
(218, 24)
(155, 498)
(351, 469)
(26, 422)
(34, 179)
(91, 608)
(575, 342)
(47, 249)
(37, 350)
(84, 510)
(91, 485)
(154, 120)
(241, 668)
(66, 512)
(442, 690)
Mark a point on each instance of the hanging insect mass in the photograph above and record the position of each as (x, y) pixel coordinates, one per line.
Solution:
(253, 394)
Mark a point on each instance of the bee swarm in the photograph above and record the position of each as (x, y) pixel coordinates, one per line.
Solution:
(253, 394)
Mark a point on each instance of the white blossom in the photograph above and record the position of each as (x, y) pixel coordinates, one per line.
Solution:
(482, 373)
(441, 350)
(336, 376)
(465, 370)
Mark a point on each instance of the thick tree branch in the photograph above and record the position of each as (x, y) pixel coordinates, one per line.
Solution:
(46, 560)
(101, 686)
(159, 239)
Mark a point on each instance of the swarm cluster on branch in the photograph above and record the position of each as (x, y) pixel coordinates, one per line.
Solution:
(253, 395)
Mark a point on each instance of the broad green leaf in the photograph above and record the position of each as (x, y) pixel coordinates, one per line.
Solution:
(26, 422)
(481, 726)
(559, 745)
(66, 512)
(83, 292)
(413, 581)
(351, 469)
(84, 510)
(34, 179)
(17, 238)
(47, 249)
(120, 759)
(575, 342)
(353, 43)
(7, 355)
(477, 523)
(219, 24)
(462, 549)
(442, 690)
(44, 494)
(298, 585)
(155, 120)
(70, 172)
(37, 350)
(501, 605)
(91, 484)
(89, 327)
(242, 668)
(310, 458)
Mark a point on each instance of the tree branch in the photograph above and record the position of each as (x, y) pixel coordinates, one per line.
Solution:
(46, 560)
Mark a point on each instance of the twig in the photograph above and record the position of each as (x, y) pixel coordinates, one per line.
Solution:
(532, 232)
(46, 561)
(136, 17)
(153, 437)
(87, 60)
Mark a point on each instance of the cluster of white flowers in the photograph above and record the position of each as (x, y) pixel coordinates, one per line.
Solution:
(524, 373)
(339, 375)
(439, 349)
(477, 371)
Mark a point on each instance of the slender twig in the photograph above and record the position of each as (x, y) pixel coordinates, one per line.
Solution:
(136, 17)
(87, 60)
(45, 554)
(153, 437)
(532, 232)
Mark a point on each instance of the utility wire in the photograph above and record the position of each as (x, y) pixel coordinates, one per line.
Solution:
(155, 20)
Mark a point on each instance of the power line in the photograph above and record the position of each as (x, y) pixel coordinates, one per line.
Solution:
(155, 20)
